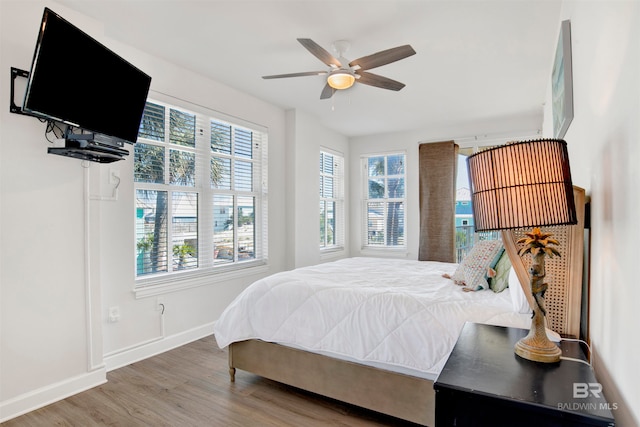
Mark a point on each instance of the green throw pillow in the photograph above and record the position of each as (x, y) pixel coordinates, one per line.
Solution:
(500, 281)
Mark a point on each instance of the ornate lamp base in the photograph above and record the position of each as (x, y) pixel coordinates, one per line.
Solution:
(531, 348)
(536, 345)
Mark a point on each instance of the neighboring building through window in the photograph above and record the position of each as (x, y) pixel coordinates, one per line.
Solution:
(332, 221)
(464, 213)
(385, 200)
(199, 185)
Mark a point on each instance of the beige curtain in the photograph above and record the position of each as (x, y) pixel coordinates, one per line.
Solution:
(438, 163)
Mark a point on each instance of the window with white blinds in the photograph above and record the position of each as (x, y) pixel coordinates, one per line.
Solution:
(332, 221)
(385, 200)
(200, 188)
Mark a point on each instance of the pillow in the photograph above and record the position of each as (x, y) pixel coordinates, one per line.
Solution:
(474, 268)
(518, 297)
(500, 278)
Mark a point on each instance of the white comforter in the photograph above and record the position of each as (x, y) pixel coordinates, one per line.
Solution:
(398, 314)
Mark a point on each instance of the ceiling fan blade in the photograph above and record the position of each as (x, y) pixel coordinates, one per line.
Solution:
(379, 81)
(306, 73)
(383, 57)
(319, 52)
(327, 92)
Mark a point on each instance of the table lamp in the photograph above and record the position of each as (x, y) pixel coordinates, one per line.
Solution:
(520, 185)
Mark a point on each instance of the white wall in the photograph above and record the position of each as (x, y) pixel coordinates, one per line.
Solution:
(307, 138)
(61, 269)
(44, 324)
(604, 151)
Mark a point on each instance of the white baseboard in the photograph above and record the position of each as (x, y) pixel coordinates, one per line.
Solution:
(44, 396)
(151, 348)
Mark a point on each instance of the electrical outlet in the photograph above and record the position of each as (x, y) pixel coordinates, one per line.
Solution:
(114, 314)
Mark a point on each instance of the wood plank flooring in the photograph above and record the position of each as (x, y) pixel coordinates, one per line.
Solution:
(190, 386)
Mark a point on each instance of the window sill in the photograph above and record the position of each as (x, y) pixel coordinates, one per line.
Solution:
(152, 286)
(401, 252)
(332, 253)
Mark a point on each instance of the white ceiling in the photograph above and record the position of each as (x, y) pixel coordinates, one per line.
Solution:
(477, 61)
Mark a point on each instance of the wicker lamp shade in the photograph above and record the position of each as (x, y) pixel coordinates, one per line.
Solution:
(522, 184)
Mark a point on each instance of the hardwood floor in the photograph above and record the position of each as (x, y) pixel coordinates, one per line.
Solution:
(190, 386)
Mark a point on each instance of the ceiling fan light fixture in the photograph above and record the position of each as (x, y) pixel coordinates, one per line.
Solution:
(341, 79)
(342, 74)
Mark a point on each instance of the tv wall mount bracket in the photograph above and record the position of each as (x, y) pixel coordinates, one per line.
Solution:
(13, 107)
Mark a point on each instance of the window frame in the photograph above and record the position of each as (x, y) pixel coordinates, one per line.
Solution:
(365, 245)
(338, 191)
(209, 271)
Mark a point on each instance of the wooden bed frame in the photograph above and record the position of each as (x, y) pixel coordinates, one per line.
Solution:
(404, 396)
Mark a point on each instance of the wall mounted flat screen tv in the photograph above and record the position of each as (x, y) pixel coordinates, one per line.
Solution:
(76, 80)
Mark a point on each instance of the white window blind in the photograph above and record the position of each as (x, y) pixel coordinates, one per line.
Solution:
(385, 200)
(332, 221)
(201, 193)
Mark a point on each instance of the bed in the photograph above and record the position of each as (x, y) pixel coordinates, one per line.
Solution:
(296, 327)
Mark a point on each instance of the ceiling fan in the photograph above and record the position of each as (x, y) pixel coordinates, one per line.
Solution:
(341, 76)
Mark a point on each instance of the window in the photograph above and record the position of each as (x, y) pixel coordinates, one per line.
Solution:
(384, 200)
(331, 201)
(466, 236)
(200, 187)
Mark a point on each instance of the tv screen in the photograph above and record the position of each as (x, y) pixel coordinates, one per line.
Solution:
(76, 80)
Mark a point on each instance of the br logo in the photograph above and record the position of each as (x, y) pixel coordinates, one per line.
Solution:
(583, 390)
